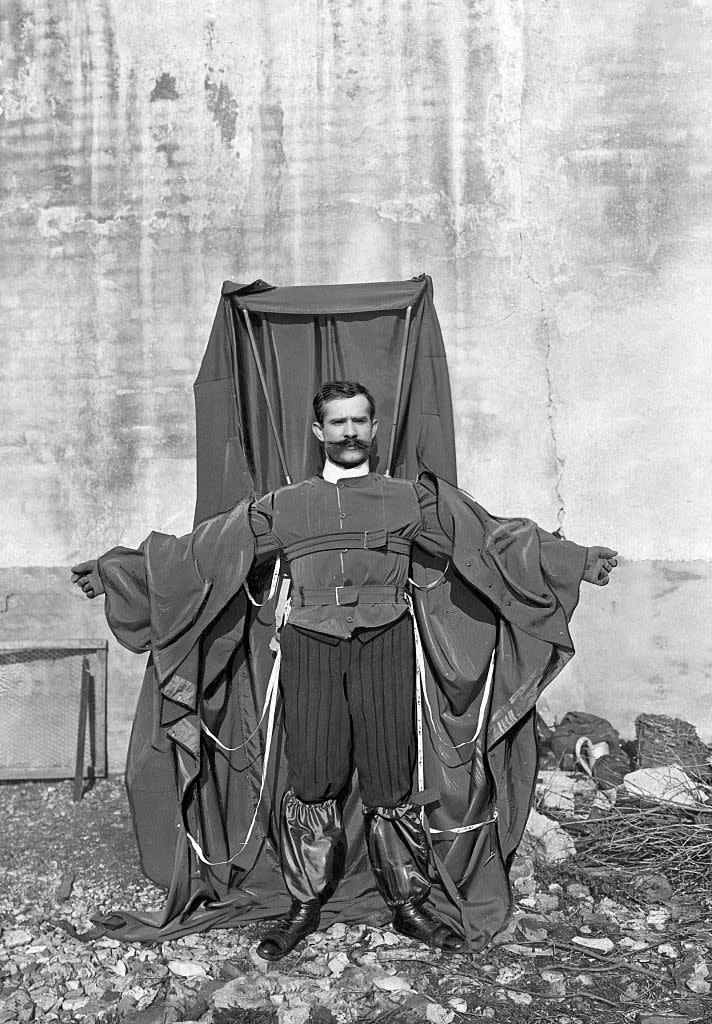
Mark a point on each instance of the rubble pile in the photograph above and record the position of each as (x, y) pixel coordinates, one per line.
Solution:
(631, 813)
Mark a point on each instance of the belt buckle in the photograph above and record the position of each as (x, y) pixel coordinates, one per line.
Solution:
(351, 596)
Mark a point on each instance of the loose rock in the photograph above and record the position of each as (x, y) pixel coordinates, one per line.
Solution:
(186, 969)
(16, 937)
(599, 945)
(545, 841)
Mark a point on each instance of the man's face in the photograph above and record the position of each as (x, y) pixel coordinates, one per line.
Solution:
(347, 431)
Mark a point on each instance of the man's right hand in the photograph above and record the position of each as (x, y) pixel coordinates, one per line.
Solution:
(86, 576)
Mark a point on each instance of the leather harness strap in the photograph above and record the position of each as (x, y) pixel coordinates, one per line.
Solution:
(350, 595)
(366, 540)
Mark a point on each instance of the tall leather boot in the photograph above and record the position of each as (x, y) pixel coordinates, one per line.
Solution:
(312, 855)
(398, 849)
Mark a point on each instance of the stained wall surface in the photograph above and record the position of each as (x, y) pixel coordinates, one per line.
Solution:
(548, 163)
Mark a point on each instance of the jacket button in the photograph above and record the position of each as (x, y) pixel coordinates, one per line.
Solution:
(468, 564)
(343, 515)
(349, 618)
(344, 551)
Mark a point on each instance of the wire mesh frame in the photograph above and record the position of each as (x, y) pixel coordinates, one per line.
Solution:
(54, 695)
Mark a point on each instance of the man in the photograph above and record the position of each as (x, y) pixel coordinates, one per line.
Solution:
(347, 668)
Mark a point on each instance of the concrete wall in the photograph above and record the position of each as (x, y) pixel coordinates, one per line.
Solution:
(548, 163)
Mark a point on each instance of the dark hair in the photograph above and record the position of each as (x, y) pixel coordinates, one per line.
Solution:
(332, 389)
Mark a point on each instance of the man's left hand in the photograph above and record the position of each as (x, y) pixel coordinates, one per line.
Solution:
(600, 562)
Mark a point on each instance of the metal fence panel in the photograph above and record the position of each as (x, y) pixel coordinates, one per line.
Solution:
(51, 692)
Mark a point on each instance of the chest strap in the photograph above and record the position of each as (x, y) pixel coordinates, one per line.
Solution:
(366, 540)
(365, 594)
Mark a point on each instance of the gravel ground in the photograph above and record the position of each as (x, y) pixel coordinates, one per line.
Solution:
(579, 949)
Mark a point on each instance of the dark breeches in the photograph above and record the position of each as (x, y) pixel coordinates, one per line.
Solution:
(350, 701)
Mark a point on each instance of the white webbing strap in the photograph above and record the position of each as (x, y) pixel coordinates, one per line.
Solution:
(435, 583)
(419, 723)
(265, 707)
(269, 709)
(272, 588)
(421, 695)
(270, 705)
(421, 687)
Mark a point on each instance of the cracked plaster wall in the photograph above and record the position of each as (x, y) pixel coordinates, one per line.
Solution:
(549, 164)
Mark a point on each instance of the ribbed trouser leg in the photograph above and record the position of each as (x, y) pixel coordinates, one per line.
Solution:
(380, 688)
(350, 701)
(316, 715)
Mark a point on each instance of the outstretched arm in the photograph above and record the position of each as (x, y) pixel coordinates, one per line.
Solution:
(120, 574)
(561, 557)
(87, 577)
(171, 587)
(514, 560)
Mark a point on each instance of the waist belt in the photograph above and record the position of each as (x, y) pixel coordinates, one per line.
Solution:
(350, 595)
(366, 540)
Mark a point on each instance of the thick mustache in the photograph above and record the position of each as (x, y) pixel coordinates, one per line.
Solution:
(354, 443)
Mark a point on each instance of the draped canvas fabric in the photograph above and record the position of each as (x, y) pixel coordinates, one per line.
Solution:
(509, 588)
(356, 333)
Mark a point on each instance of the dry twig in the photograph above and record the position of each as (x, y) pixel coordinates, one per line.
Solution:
(671, 841)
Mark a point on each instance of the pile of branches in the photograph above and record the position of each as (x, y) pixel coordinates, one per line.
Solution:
(638, 836)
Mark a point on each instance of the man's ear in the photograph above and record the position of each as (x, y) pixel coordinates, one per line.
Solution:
(316, 427)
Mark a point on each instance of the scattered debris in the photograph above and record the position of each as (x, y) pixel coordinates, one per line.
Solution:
(577, 725)
(64, 889)
(186, 969)
(697, 982)
(600, 945)
(590, 940)
(564, 792)
(545, 840)
(667, 841)
(661, 740)
(666, 784)
(17, 937)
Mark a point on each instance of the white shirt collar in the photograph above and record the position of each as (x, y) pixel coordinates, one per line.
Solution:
(332, 472)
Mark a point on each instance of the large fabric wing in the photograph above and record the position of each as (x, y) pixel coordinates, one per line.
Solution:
(196, 764)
